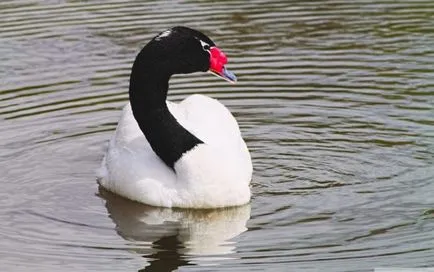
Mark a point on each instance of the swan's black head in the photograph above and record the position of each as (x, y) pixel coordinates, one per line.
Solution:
(182, 50)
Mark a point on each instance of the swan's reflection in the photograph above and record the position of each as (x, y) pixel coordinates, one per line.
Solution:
(170, 236)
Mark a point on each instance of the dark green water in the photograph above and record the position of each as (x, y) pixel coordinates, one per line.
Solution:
(335, 100)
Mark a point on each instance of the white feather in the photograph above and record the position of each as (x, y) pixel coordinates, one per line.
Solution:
(214, 174)
(163, 35)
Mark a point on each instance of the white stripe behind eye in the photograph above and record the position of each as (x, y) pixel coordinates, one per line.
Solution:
(204, 44)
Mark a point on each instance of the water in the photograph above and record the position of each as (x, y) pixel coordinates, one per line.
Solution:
(335, 100)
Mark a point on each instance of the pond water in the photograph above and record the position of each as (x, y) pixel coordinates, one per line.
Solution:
(335, 100)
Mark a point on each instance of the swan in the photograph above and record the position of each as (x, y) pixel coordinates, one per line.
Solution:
(188, 154)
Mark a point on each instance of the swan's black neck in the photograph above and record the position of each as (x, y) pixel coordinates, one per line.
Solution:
(149, 83)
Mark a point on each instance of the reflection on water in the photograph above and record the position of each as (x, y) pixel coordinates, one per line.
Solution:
(170, 236)
(334, 98)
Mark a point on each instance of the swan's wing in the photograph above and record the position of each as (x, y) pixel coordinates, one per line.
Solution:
(212, 122)
(209, 120)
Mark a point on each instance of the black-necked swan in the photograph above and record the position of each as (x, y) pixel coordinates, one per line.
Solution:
(188, 155)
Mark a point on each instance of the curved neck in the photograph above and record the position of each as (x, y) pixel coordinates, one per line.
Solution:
(149, 84)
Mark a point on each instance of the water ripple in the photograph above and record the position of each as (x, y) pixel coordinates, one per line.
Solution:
(334, 100)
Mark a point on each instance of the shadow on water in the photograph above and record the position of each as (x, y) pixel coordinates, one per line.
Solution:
(171, 238)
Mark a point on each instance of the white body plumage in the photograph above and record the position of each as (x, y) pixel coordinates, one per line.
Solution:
(214, 174)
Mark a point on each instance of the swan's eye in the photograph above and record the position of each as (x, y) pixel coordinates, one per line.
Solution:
(205, 46)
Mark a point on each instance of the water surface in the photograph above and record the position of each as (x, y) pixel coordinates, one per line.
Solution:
(335, 100)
